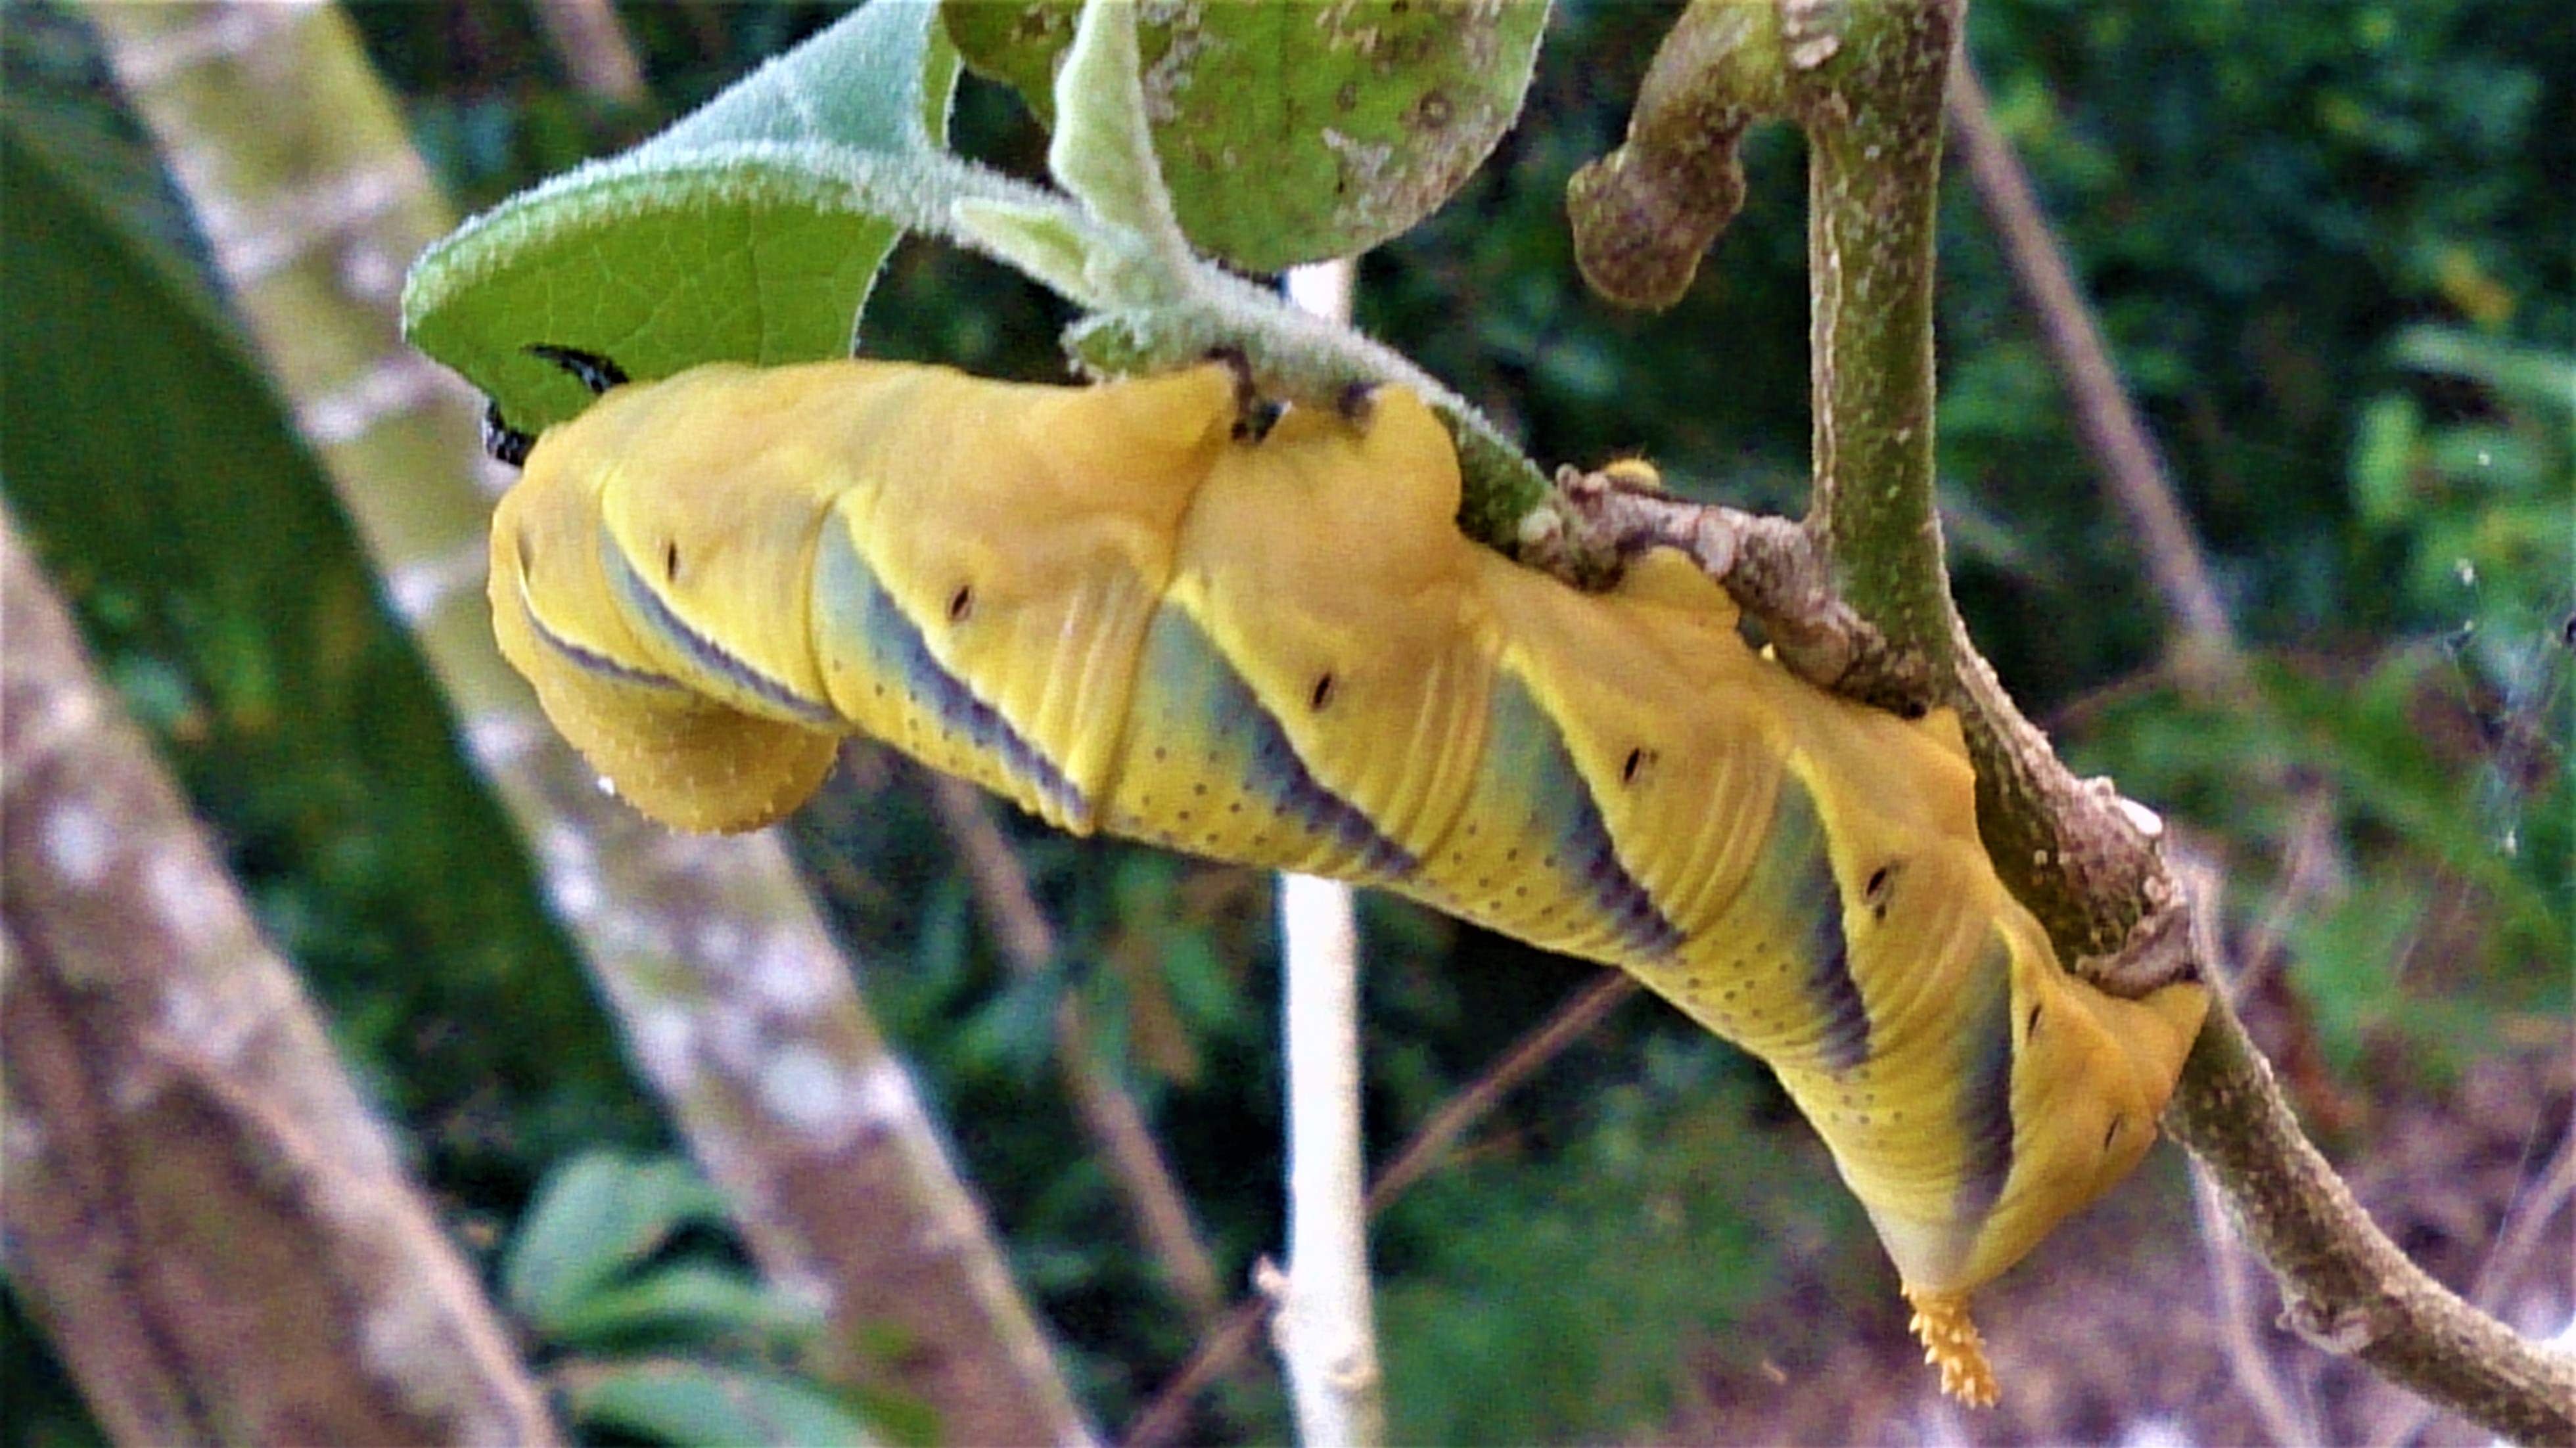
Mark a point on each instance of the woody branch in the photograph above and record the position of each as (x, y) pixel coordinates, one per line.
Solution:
(1867, 86)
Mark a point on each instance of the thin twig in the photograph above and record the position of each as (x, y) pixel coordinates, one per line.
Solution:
(1429, 1145)
(1325, 1325)
(2314, 869)
(2526, 1227)
(2255, 1372)
(1774, 569)
(1109, 1114)
(1162, 1420)
(595, 48)
(2110, 425)
(2527, 1221)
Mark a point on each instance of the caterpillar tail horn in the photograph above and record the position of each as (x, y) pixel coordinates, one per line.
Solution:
(1952, 1345)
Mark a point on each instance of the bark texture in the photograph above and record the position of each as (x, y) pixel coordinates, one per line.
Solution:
(213, 1229)
(2344, 1286)
(735, 1004)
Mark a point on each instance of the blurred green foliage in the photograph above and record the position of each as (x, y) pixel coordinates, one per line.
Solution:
(648, 1323)
(226, 600)
(2329, 247)
(1555, 1305)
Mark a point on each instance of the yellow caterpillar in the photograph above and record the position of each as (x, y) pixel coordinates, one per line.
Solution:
(1115, 607)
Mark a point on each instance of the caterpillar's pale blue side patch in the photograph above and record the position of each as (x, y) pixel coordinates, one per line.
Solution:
(850, 603)
(1831, 989)
(648, 605)
(1190, 694)
(1984, 1108)
(1526, 760)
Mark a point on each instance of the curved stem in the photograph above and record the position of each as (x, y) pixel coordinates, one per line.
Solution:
(1119, 1128)
(2067, 850)
(2345, 1286)
(1866, 83)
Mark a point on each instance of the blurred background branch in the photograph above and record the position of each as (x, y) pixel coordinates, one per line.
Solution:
(1119, 1129)
(2121, 448)
(213, 1227)
(734, 1004)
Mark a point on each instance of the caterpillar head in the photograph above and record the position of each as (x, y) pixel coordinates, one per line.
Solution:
(2090, 1074)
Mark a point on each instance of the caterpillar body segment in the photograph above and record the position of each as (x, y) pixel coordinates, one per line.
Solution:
(1116, 608)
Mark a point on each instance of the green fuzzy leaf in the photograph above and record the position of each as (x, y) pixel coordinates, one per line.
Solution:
(751, 230)
(1292, 133)
(594, 1218)
(1104, 148)
(1017, 44)
(1048, 244)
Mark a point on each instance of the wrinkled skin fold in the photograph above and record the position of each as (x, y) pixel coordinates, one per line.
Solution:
(1108, 606)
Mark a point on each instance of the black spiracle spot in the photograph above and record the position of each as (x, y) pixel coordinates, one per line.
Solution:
(1878, 892)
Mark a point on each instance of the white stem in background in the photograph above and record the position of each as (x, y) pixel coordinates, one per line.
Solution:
(1324, 289)
(1326, 1328)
